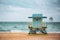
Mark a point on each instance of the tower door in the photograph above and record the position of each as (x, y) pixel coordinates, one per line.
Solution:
(37, 23)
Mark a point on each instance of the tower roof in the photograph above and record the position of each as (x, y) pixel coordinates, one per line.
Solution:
(37, 15)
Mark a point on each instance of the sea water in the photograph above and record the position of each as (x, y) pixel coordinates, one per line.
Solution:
(23, 27)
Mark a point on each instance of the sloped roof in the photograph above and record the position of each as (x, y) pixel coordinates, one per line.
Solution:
(37, 15)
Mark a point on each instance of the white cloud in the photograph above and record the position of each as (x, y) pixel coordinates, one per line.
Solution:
(15, 13)
(19, 10)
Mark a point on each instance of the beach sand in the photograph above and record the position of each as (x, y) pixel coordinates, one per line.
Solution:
(26, 36)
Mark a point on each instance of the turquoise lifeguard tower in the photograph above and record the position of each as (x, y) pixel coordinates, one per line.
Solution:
(37, 24)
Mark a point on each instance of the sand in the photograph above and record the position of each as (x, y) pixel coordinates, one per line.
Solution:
(26, 36)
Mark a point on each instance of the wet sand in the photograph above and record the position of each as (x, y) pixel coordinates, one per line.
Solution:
(26, 36)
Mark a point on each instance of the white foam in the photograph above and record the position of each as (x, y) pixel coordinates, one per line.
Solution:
(53, 32)
(23, 31)
(19, 31)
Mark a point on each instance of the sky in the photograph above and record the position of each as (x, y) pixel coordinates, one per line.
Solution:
(20, 10)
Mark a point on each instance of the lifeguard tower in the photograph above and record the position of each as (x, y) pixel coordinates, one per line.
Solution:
(37, 24)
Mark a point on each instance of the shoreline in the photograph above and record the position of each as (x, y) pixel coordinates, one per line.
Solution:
(22, 32)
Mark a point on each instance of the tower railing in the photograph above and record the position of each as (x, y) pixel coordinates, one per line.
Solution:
(41, 25)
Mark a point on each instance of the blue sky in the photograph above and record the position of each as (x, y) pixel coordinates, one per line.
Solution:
(20, 10)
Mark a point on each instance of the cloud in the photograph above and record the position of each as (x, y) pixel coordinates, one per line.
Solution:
(15, 13)
(19, 10)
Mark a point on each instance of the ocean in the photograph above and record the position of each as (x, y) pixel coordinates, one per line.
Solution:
(23, 27)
